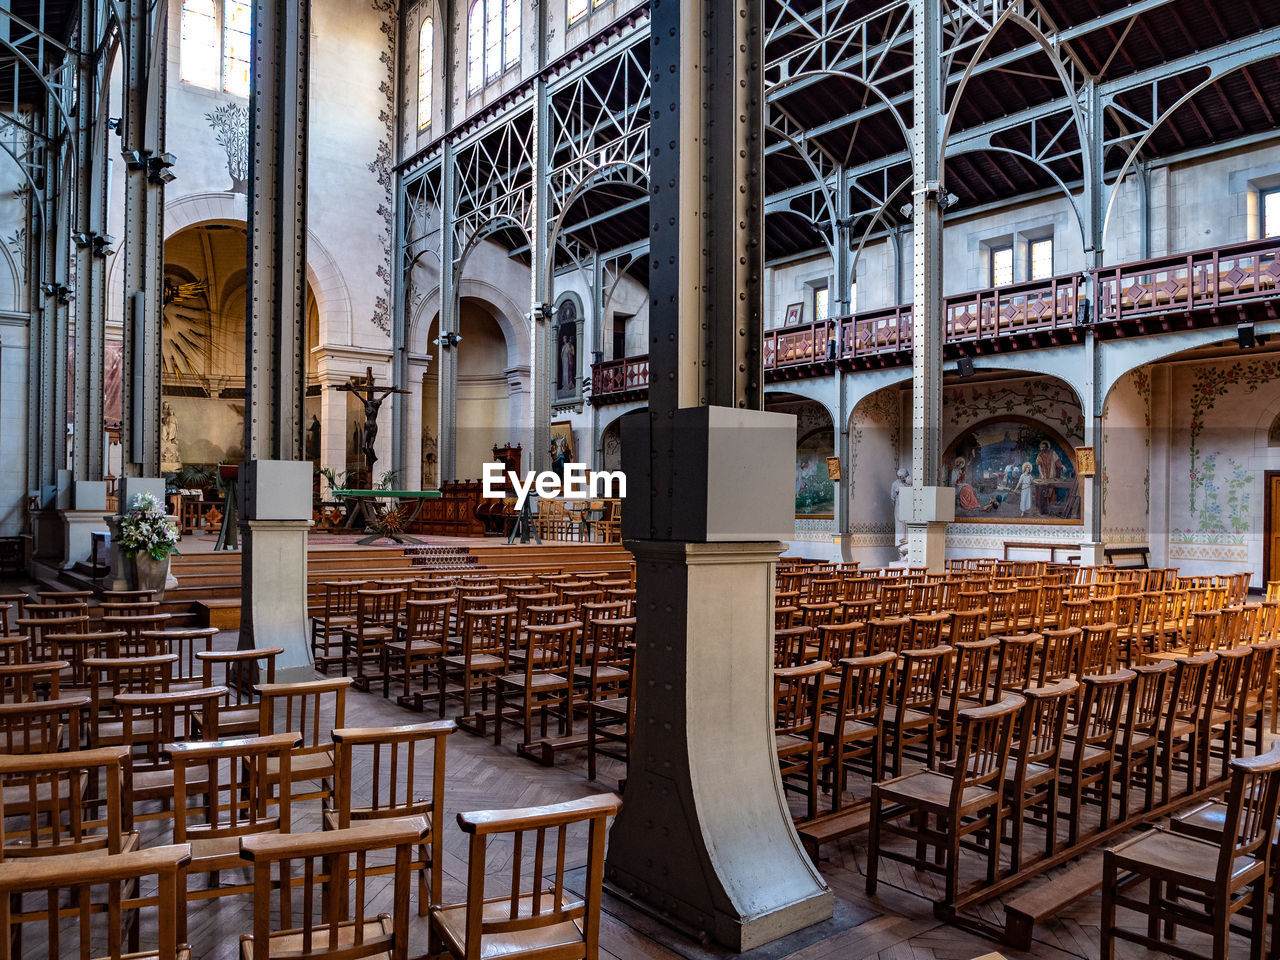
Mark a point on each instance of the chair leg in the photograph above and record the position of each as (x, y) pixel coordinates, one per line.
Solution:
(1108, 946)
(873, 842)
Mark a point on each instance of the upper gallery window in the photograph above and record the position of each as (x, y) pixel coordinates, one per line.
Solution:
(1270, 206)
(215, 47)
(821, 302)
(1040, 259)
(426, 41)
(578, 8)
(1001, 265)
(493, 41)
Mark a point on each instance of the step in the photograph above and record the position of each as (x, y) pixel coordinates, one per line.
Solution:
(1024, 911)
(223, 613)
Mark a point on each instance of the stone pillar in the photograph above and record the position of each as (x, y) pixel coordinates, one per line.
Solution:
(705, 836)
(518, 407)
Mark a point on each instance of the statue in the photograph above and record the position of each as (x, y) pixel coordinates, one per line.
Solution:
(903, 482)
(313, 438)
(371, 396)
(170, 459)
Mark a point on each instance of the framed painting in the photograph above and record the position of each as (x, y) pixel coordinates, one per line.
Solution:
(566, 350)
(1013, 470)
(562, 442)
(794, 315)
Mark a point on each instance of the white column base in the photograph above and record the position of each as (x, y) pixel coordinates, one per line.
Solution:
(78, 527)
(927, 545)
(1092, 554)
(705, 835)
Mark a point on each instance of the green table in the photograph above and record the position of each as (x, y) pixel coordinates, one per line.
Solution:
(388, 512)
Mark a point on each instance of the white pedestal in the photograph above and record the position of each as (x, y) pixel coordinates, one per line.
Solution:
(705, 834)
(273, 606)
(1092, 554)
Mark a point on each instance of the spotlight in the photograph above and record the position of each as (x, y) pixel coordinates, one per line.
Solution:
(158, 171)
(1245, 336)
(964, 366)
(446, 340)
(135, 159)
(907, 209)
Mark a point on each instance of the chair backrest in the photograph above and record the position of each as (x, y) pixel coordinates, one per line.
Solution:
(311, 709)
(24, 682)
(1147, 699)
(972, 670)
(378, 608)
(1252, 800)
(238, 672)
(1015, 663)
(1227, 677)
(550, 649)
(241, 792)
(112, 676)
(921, 678)
(339, 598)
(489, 631)
(427, 621)
(554, 613)
(1098, 652)
(969, 624)
(982, 746)
(42, 726)
(1058, 655)
(184, 643)
(886, 634)
(535, 899)
(46, 808)
(839, 640)
(864, 688)
(1098, 721)
(789, 644)
(1190, 683)
(151, 721)
(797, 699)
(336, 920)
(70, 880)
(1038, 738)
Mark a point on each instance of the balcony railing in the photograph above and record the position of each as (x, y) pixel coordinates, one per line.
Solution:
(1226, 276)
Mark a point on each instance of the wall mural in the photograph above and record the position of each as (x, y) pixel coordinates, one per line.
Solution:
(1013, 470)
(230, 123)
(1212, 382)
(1047, 401)
(382, 165)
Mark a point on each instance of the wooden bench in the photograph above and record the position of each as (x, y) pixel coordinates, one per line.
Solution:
(833, 826)
(1140, 552)
(1051, 545)
(1024, 911)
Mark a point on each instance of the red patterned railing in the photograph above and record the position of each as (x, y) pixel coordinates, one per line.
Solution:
(1195, 281)
(1203, 280)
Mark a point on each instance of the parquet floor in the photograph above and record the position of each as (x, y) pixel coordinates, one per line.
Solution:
(480, 775)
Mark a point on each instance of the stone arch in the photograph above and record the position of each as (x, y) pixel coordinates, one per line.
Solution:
(10, 281)
(328, 287)
(874, 452)
(815, 442)
(504, 310)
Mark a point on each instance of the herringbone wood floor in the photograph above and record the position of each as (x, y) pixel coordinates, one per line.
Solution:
(480, 775)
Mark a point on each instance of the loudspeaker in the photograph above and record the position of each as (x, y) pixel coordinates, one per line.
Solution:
(1244, 334)
(964, 366)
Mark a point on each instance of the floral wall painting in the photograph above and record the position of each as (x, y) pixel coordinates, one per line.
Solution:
(815, 490)
(1013, 470)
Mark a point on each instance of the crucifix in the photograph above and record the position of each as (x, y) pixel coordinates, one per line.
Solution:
(371, 396)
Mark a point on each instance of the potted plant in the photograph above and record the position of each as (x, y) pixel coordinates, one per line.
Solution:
(148, 537)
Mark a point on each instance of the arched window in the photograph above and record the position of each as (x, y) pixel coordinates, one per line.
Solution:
(426, 42)
(493, 41)
(215, 48)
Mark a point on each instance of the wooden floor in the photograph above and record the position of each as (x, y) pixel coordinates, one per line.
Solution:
(897, 924)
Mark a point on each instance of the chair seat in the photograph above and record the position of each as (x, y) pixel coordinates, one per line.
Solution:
(420, 647)
(452, 923)
(910, 717)
(245, 720)
(853, 729)
(217, 853)
(1188, 856)
(479, 661)
(1207, 821)
(610, 709)
(158, 784)
(539, 681)
(930, 788)
(1092, 755)
(789, 745)
(305, 766)
(288, 943)
(1036, 773)
(335, 623)
(603, 674)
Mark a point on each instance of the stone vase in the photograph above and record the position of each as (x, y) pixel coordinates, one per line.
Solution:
(150, 573)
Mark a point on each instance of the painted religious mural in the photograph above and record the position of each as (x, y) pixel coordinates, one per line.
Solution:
(1013, 470)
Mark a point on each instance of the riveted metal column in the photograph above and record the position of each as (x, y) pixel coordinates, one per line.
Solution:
(926, 533)
(49, 343)
(275, 374)
(541, 332)
(91, 247)
(400, 441)
(275, 482)
(142, 140)
(705, 836)
(446, 355)
(1095, 194)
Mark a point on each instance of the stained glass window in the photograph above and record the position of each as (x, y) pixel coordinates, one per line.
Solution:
(493, 40)
(426, 41)
(1041, 257)
(199, 50)
(1001, 265)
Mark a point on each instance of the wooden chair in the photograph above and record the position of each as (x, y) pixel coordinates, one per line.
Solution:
(337, 613)
(238, 672)
(1258, 682)
(609, 726)
(1224, 699)
(1137, 747)
(345, 927)
(911, 718)
(386, 778)
(531, 918)
(968, 683)
(1088, 749)
(604, 667)
(1015, 663)
(186, 643)
(418, 645)
(966, 803)
(235, 776)
(1058, 654)
(797, 698)
(1219, 878)
(377, 612)
(543, 687)
(487, 637)
(854, 734)
(72, 880)
(26, 682)
(1031, 782)
(310, 709)
(1180, 729)
(150, 723)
